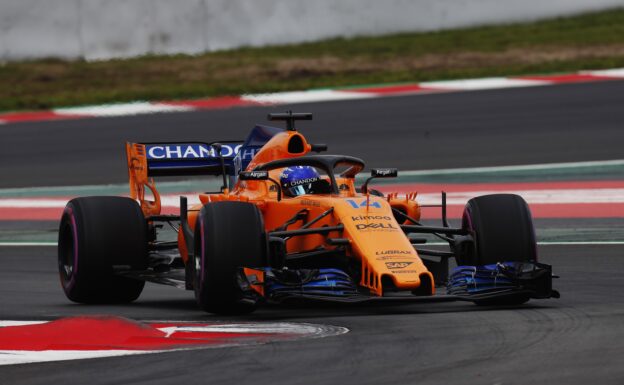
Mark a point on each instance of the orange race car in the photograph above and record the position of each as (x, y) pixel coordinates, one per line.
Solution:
(288, 224)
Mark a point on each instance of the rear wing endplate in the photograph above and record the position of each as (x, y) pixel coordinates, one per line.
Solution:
(147, 160)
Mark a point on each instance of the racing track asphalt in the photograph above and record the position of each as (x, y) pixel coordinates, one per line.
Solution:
(575, 340)
(565, 123)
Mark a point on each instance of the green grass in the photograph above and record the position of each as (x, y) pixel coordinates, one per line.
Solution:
(590, 41)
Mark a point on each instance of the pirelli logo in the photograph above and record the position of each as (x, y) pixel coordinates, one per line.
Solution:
(397, 265)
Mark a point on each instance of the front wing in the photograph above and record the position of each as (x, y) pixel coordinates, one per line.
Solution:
(499, 283)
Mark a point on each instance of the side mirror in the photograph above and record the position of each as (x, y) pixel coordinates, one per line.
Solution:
(253, 175)
(384, 173)
(318, 147)
(379, 173)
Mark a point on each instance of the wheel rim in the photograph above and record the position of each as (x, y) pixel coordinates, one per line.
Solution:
(68, 250)
(198, 260)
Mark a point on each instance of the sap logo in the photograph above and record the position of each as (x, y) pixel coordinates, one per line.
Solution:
(380, 226)
(397, 265)
(188, 151)
(355, 205)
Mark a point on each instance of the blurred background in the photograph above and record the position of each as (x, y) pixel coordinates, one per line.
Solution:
(75, 52)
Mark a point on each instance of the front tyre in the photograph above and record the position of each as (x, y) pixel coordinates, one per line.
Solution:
(503, 231)
(228, 236)
(97, 234)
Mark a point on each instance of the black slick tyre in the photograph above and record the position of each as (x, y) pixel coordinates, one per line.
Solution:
(96, 235)
(503, 231)
(228, 236)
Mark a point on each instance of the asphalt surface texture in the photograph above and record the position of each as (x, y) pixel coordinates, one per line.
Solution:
(565, 123)
(577, 339)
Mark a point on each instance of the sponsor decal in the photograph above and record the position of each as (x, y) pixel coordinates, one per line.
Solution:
(385, 258)
(370, 218)
(357, 205)
(385, 172)
(254, 175)
(397, 265)
(394, 252)
(403, 271)
(189, 151)
(375, 226)
(246, 153)
(300, 182)
(307, 202)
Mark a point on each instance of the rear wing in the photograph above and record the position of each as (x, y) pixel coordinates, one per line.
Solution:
(189, 158)
(148, 160)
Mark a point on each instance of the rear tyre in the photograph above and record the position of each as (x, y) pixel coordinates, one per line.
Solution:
(503, 232)
(228, 236)
(96, 234)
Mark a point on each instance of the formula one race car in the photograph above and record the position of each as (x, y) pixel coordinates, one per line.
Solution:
(290, 225)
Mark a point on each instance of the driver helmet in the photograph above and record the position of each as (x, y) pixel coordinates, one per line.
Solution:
(298, 180)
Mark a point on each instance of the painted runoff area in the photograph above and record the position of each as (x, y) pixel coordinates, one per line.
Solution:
(570, 197)
(73, 338)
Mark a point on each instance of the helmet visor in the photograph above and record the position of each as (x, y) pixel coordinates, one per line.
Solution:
(298, 190)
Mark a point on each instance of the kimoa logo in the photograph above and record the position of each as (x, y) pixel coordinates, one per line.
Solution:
(393, 252)
(397, 265)
(370, 217)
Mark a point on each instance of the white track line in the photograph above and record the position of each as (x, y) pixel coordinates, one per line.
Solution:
(14, 357)
(614, 72)
(537, 196)
(464, 170)
(122, 109)
(483, 84)
(541, 243)
(302, 330)
(527, 167)
(27, 244)
(20, 323)
(306, 96)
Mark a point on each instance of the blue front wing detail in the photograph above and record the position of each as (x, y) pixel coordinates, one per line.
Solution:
(476, 279)
(501, 277)
(318, 282)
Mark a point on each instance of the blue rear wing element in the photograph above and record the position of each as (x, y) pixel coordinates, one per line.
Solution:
(257, 138)
(189, 158)
(198, 158)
